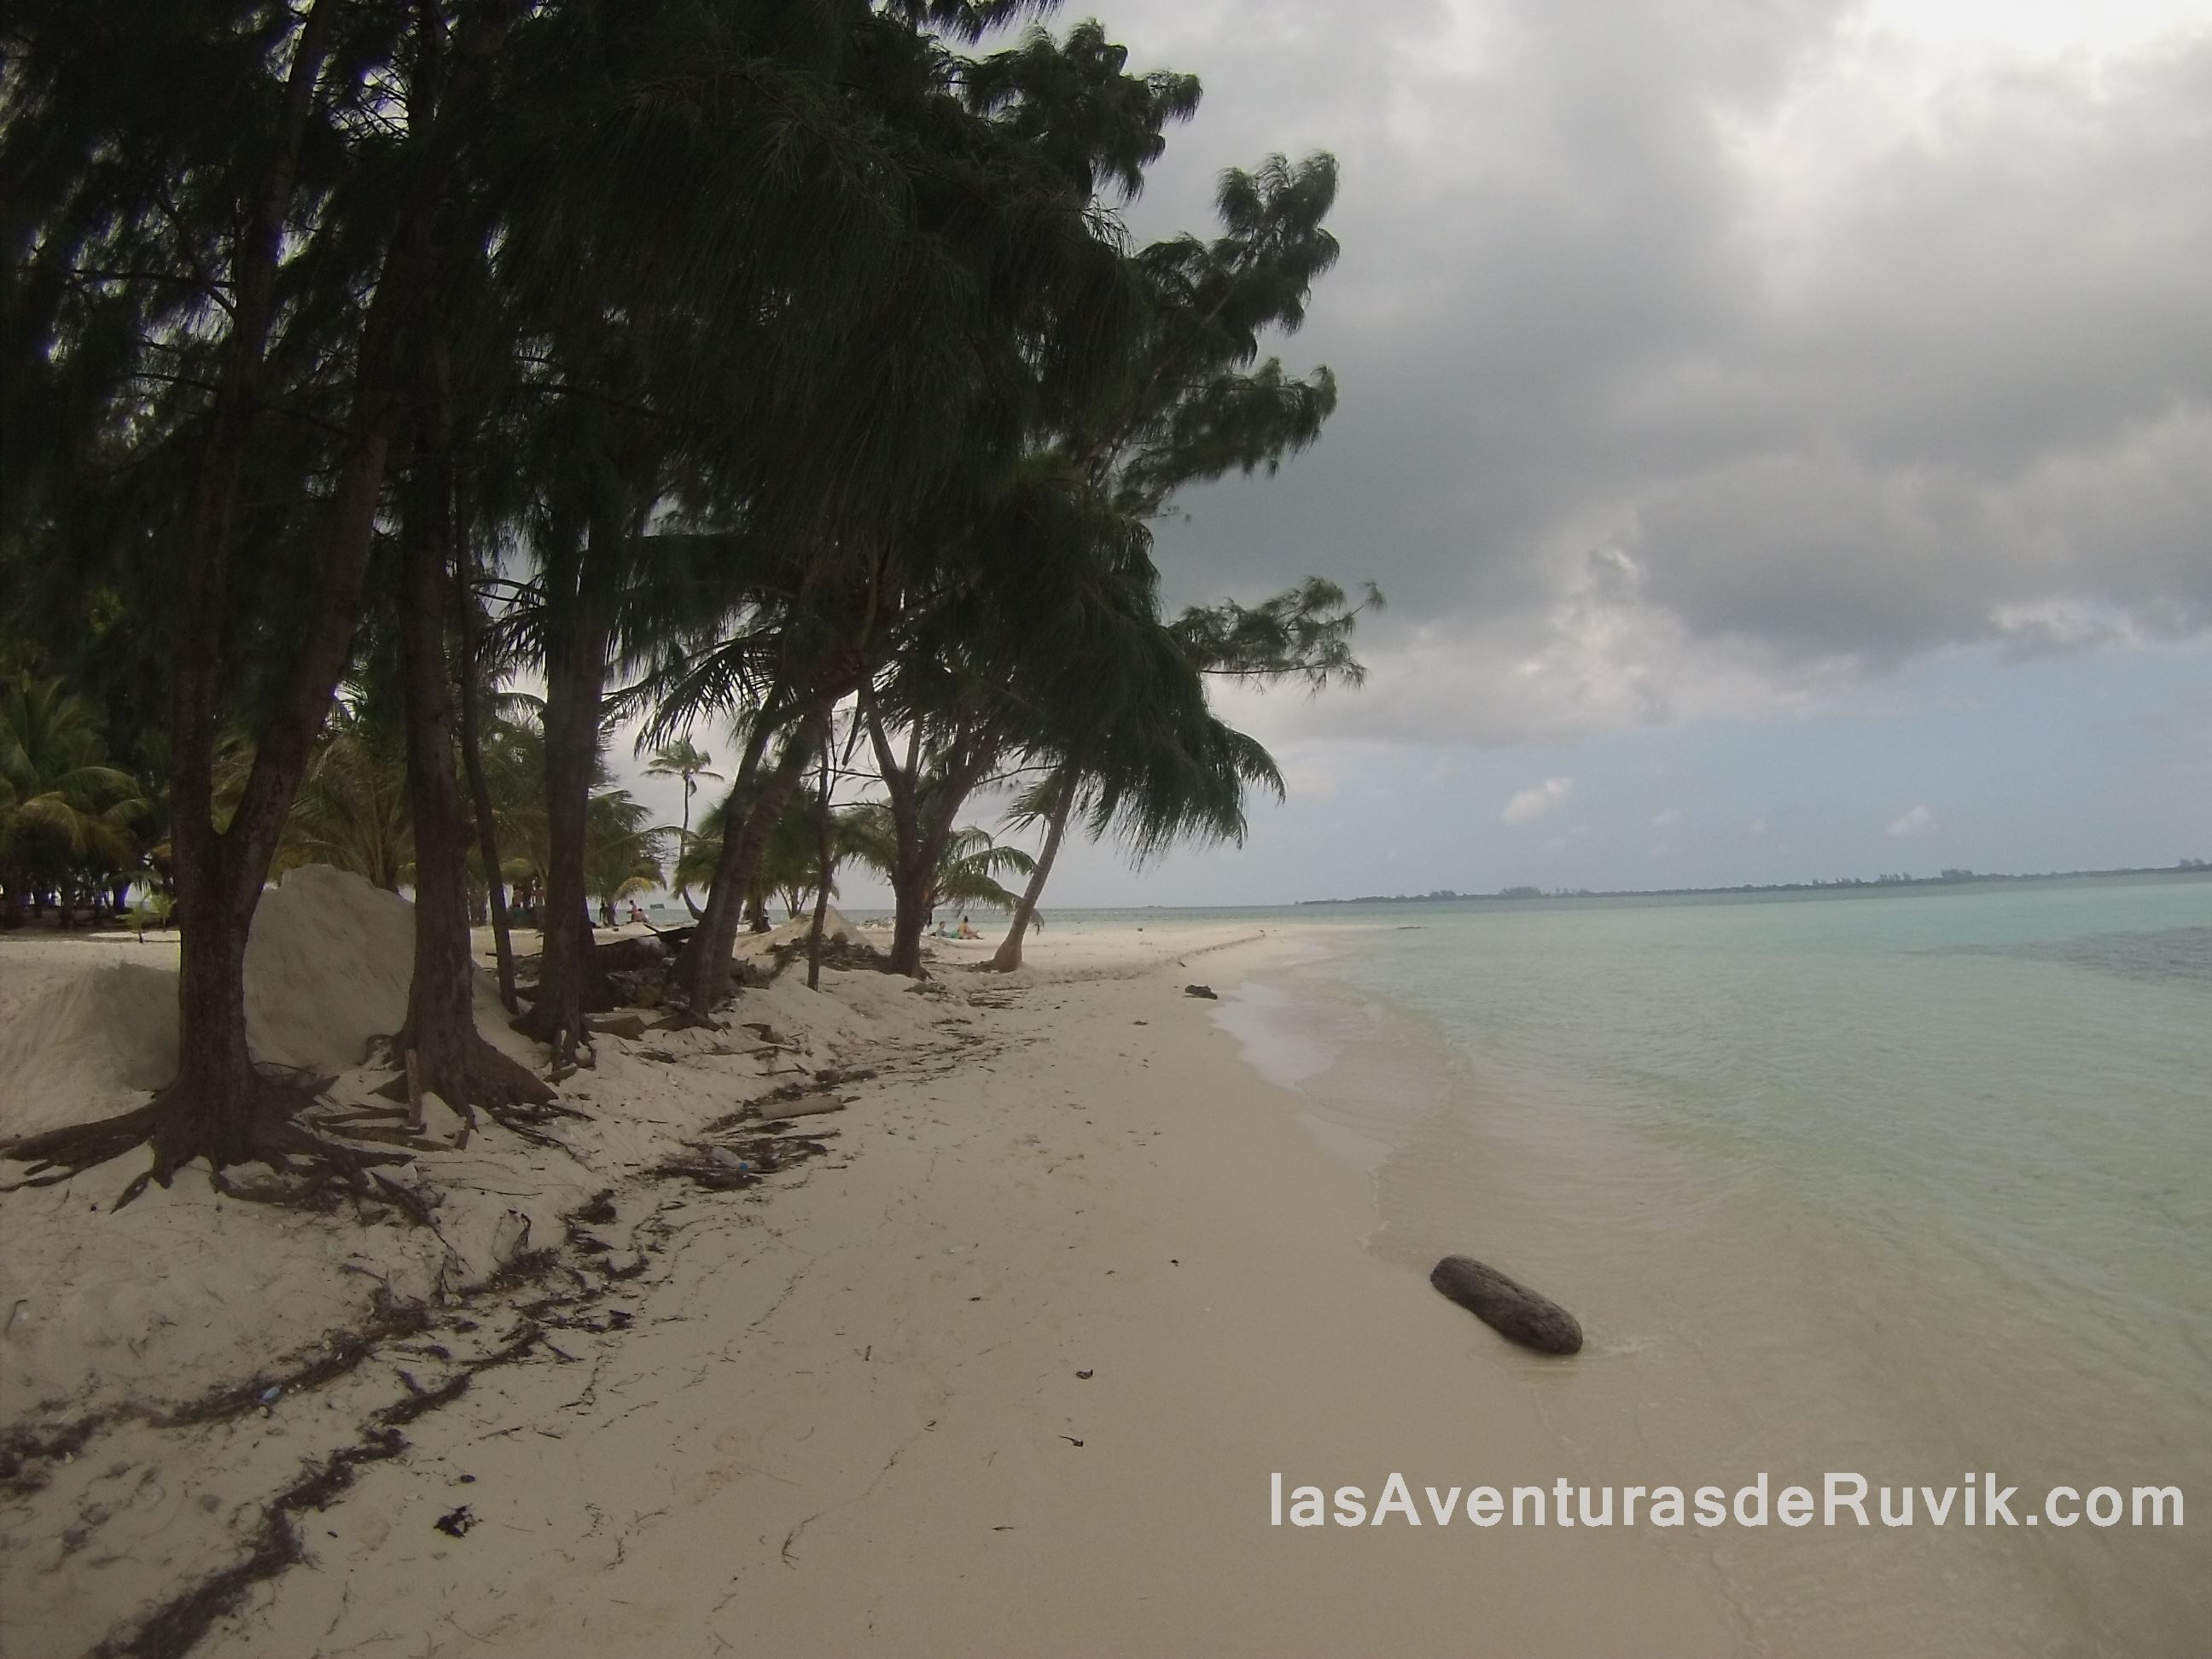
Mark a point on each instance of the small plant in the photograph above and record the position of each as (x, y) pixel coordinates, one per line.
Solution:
(154, 910)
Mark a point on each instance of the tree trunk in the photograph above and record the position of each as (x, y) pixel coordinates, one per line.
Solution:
(215, 1076)
(909, 897)
(910, 921)
(683, 834)
(214, 1085)
(913, 881)
(699, 987)
(706, 968)
(1008, 955)
(822, 873)
(441, 1025)
(468, 620)
(578, 629)
(480, 800)
(922, 821)
(219, 874)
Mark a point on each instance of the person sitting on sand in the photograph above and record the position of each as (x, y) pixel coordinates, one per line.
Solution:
(966, 932)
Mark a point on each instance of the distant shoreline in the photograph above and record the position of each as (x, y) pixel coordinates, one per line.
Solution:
(1949, 878)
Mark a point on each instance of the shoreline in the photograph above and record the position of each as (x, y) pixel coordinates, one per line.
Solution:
(1693, 1363)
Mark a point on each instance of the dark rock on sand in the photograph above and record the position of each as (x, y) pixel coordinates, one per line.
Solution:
(1507, 1306)
(1205, 991)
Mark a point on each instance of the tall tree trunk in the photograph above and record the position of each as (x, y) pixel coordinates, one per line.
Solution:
(441, 1025)
(214, 1072)
(219, 875)
(914, 883)
(1008, 956)
(578, 627)
(921, 821)
(215, 1075)
(469, 620)
(822, 864)
(909, 897)
(922, 841)
(700, 986)
(706, 970)
(683, 834)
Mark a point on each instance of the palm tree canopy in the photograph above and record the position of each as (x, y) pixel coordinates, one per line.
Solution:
(623, 850)
(681, 759)
(968, 872)
(59, 799)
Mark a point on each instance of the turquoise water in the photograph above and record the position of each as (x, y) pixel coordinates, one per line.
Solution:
(1902, 1184)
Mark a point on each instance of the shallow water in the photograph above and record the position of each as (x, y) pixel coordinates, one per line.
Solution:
(1907, 1184)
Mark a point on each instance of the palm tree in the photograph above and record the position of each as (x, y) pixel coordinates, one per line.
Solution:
(64, 813)
(1159, 771)
(622, 849)
(352, 808)
(682, 759)
(1190, 406)
(968, 867)
(788, 867)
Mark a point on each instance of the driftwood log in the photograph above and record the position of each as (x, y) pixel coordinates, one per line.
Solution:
(807, 1105)
(1507, 1306)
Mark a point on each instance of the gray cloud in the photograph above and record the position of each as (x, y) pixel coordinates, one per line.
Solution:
(1702, 360)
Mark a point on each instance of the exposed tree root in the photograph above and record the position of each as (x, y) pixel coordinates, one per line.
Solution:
(496, 1082)
(306, 1169)
(55, 1155)
(686, 1020)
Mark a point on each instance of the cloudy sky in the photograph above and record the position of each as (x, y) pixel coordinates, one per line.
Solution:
(1783, 429)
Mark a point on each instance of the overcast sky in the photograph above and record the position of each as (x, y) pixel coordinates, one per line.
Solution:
(1783, 430)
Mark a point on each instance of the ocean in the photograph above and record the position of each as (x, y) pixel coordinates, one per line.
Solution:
(1915, 1184)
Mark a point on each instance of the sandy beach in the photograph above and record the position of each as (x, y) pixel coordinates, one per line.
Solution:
(1007, 1367)
(1484, 737)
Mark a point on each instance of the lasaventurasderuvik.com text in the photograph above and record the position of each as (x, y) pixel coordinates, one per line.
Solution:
(1842, 1499)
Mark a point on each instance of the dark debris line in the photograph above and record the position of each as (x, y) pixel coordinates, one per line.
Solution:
(173, 1628)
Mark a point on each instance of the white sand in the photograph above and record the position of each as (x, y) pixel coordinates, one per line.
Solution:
(836, 1412)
